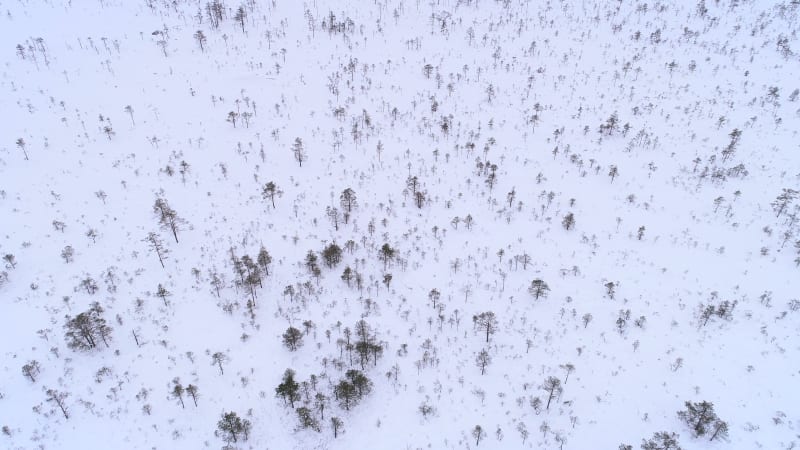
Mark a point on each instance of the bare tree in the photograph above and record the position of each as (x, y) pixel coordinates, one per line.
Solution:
(523, 431)
(163, 293)
(201, 39)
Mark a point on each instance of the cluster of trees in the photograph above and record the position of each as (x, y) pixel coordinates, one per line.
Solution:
(305, 397)
(11, 263)
(417, 194)
(488, 170)
(350, 276)
(311, 264)
(87, 329)
(723, 310)
(248, 272)
(179, 391)
(781, 205)
(348, 202)
(332, 255)
(347, 391)
(352, 388)
(699, 417)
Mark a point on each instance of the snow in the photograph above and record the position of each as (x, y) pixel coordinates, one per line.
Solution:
(96, 58)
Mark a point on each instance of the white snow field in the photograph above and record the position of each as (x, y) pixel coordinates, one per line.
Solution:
(637, 161)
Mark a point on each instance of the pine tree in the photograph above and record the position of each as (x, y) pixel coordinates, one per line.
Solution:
(270, 191)
(345, 393)
(347, 275)
(701, 418)
(31, 370)
(552, 386)
(288, 389)
(348, 203)
(167, 217)
(332, 255)
(293, 338)
(84, 330)
(217, 359)
(155, 243)
(569, 221)
(299, 151)
(264, 260)
(240, 16)
(478, 434)
(192, 391)
(177, 392)
(662, 440)
(386, 254)
(487, 322)
(59, 398)
(231, 427)
(482, 360)
(163, 293)
(337, 425)
(538, 289)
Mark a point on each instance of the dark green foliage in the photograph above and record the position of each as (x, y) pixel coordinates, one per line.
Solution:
(386, 254)
(347, 275)
(85, 330)
(264, 260)
(293, 338)
(702, 419)
(233, 428)
(352, 389)
(662, 440)
(538, 289)
(332, 255)
(289, 389)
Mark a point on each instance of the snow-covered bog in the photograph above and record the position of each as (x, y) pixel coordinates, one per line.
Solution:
(399, 225)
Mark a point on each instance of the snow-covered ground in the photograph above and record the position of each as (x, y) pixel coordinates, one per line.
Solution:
(669, 131)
